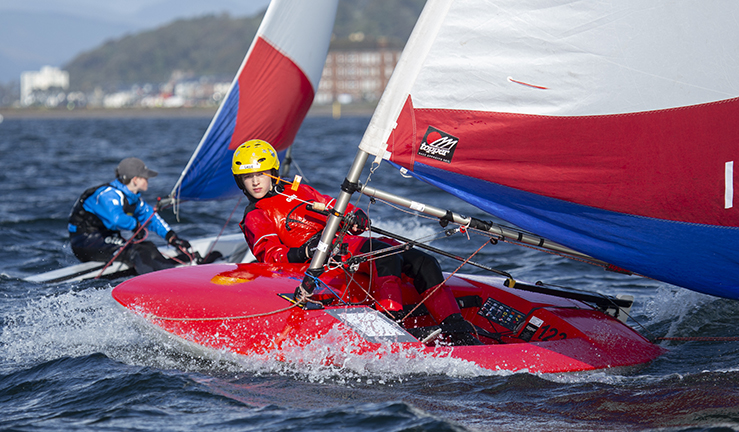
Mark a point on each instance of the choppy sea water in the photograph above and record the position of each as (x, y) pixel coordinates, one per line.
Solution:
(70, 359)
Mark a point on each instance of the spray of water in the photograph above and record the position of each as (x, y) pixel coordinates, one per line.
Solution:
(79, 323)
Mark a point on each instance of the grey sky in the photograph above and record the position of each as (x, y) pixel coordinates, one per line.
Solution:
(34, 33)
(135, 12)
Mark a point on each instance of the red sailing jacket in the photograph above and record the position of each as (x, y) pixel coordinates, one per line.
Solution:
(276, 223)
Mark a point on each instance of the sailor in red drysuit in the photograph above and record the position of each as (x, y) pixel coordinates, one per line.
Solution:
(279, 228)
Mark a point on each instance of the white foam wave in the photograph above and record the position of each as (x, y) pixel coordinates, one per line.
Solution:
(79, 323)
(336, 356)
(674, 306)
(74, 323)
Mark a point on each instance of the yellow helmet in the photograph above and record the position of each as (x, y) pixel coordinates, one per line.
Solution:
(254, 156)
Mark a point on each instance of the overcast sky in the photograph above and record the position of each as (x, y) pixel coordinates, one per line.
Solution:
(34, 33)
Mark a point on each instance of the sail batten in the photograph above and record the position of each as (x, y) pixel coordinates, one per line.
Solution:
(608, 127)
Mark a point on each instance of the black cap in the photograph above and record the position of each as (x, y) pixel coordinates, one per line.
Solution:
(133, 167)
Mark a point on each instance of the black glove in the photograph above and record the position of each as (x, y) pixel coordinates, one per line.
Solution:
(360, 222)
(139, 232)
(177, 242)
(306, 251)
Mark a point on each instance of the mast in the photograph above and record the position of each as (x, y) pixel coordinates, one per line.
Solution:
(350, 185)
(381, 125)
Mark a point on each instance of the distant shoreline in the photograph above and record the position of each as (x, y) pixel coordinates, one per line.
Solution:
(42, 113)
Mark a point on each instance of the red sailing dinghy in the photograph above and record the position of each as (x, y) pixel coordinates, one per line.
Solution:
(616, 144)
(245, 309)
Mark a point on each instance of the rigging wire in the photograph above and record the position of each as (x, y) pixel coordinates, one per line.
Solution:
(223, 228)
(228, 318)
(466, 230)
(374, 255)
(436, 288)
(371, 256)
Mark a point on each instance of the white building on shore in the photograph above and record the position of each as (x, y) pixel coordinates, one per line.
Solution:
(47, 78)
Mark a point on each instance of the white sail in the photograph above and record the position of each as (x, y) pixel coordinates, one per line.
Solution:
(607, 127)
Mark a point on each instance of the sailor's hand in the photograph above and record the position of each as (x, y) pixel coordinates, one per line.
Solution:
(312, 244)
(360, 223)
(139, 232)
(177, 242)
(306, 251)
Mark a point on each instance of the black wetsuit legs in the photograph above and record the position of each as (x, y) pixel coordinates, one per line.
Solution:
(423, 268)
(144, 256)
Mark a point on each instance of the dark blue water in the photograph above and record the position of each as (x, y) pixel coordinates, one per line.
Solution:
(70, 359)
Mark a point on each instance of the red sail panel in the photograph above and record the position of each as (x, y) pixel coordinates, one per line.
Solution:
(655, 164)
(272, 91)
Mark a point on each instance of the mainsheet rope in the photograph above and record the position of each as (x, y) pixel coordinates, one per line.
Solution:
(142, 227)
(436, 288)
(399, 247)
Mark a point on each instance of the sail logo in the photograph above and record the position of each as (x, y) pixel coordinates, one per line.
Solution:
(438, 145)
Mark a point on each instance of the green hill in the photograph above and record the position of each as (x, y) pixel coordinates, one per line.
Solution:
(215, 45)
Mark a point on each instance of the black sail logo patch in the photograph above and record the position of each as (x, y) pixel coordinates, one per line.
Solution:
(438, 145)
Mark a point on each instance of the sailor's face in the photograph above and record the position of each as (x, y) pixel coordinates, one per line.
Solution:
(257, 184)
(138, 184)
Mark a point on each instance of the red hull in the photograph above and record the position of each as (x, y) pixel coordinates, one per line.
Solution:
(238, 308)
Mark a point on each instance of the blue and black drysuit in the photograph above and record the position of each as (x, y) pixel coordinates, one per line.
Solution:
(97, 219)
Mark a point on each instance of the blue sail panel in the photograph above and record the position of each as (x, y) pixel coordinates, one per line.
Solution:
(209, 176)
(648, 246)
